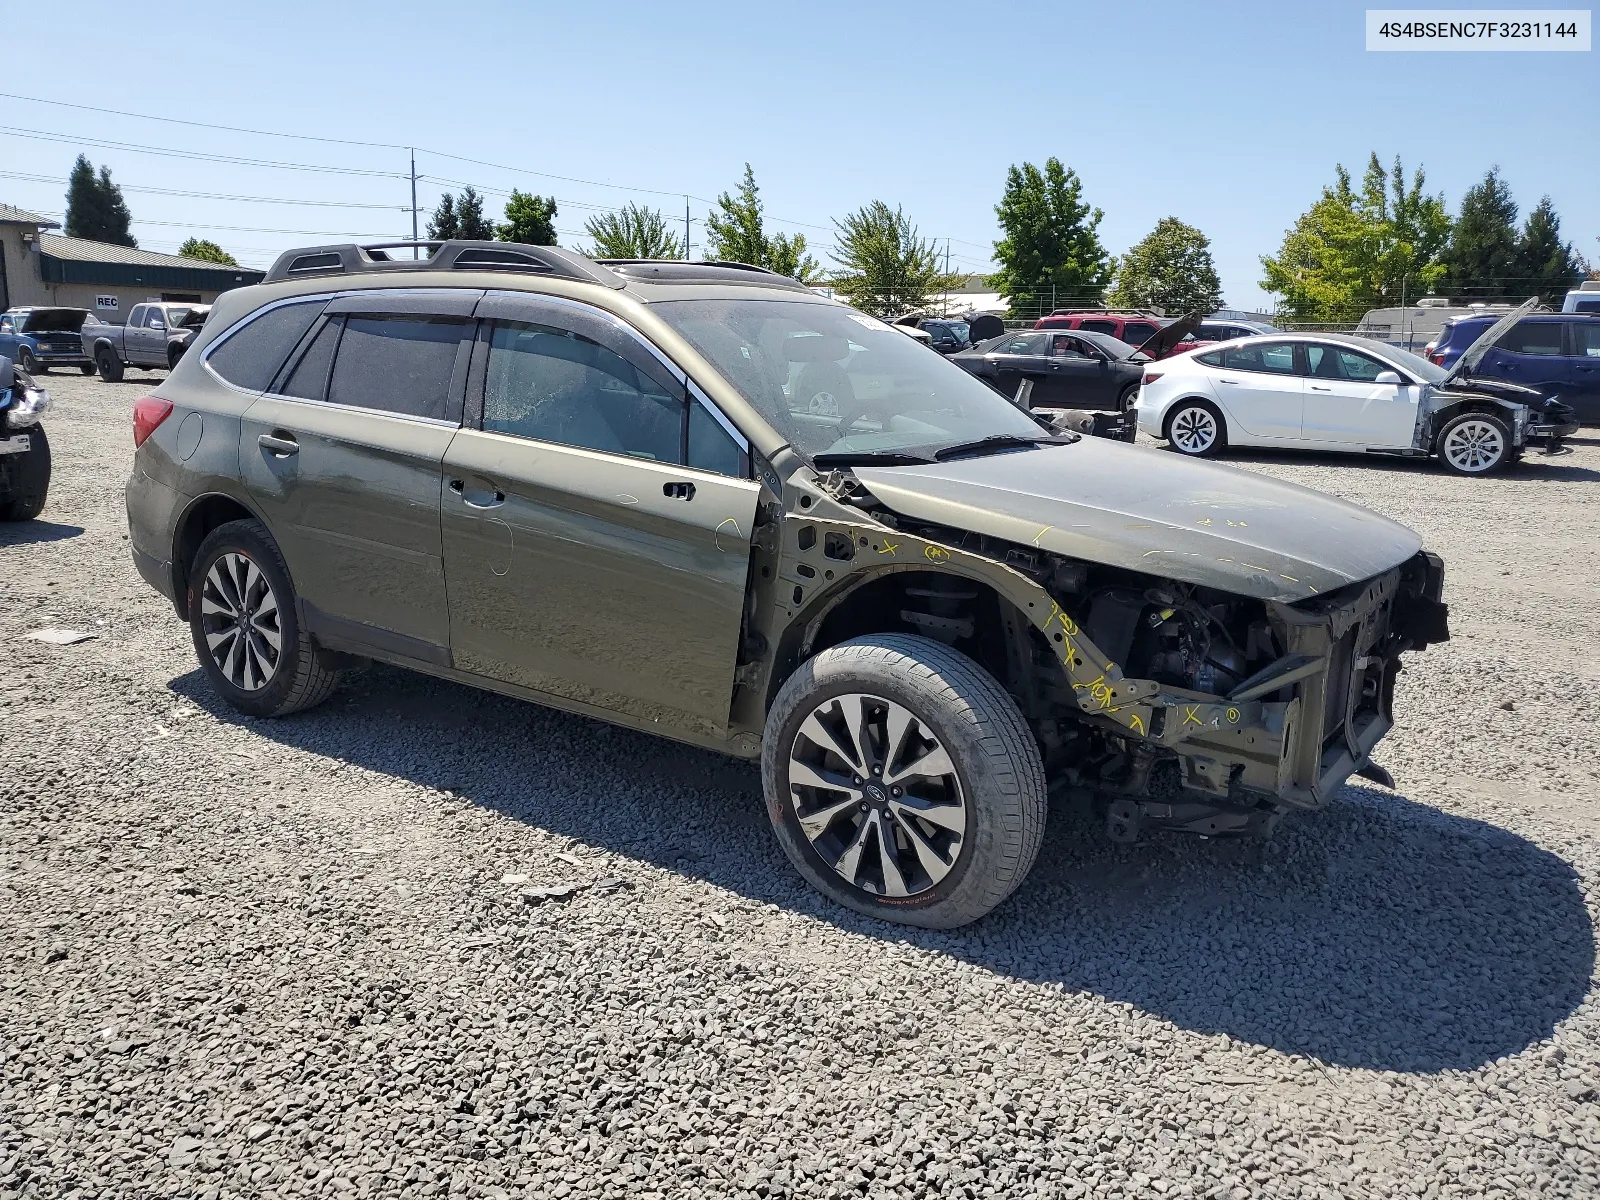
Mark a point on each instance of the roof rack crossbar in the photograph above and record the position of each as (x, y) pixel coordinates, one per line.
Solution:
(348, 258)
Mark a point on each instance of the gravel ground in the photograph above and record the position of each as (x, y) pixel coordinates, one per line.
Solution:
(299, 957)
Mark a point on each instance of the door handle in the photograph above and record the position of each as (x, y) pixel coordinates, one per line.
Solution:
(283, 446)
(476, 500)
(1234, 382)
(678, 491)
(1317, 387)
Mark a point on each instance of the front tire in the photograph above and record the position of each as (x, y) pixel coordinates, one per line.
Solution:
(109, 365)
(1196, 428)
(28, 362)
(30, 479)
(902, 782)
(1129, 395)
(86, 368)
(1474, 443)
(246, 630)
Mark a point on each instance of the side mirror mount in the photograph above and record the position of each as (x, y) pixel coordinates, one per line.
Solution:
(1389, 377)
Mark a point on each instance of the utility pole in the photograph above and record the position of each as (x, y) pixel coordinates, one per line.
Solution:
(686, 229)
(414, 200)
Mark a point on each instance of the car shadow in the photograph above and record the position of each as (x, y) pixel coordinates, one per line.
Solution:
(1536, 464)
(1379, 933)
(25, 533)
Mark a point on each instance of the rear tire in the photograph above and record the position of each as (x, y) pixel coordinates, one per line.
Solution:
(965, 757)
(108, 364)
(1196, 428)
(246, 629)
(1474, 443)
(30, 479)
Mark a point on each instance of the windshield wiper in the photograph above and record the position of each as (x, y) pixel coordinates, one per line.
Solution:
(877, 458)
(996, 441)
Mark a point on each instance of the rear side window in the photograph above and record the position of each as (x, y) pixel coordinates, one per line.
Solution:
(309, 379)
(397, 364)
(250, 356)
(1586, 339)
(1276, 358)
(1100, 327)
(1533, 337)
(1214, 359)
(1136, 331)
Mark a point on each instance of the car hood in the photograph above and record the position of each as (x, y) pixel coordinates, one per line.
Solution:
(1156, 512)
(1160, 343)
(54, 320)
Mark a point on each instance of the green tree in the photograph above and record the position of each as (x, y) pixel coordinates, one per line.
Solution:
(207, 251)
(1170, 270)
(887, 268)
(95, 208)
(460, 217)
(1548, 266)
(1482, 260)
(530, 220)
(735, 233)
(1051, 252)
(1357, 250)
(633, 231)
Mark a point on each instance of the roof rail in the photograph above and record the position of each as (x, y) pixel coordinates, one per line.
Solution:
(455, 255)
(678, 270)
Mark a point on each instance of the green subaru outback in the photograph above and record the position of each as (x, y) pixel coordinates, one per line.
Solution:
(699, 500)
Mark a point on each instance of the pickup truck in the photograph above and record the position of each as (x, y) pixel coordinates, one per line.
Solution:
(155, 336)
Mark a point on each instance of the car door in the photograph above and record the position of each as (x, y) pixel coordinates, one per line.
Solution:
(1584, 367)
(1021, 356)
(597, 521)
(152, 339)
(130, 332)
(1346, 406)
(1529, 353)
(1080, 375)
(1260, 390)
(342, 456)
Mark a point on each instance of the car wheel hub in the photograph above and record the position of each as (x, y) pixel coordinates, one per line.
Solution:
(877, 795)
(1474, 446)
(239, 616)
(1194, 429)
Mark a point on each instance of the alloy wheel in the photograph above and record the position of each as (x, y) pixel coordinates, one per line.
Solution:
(1194, 430)
(1474, 446)
(239, 615)
(877, 796)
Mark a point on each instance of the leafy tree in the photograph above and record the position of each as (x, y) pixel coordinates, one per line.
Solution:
(1051, 251)
(1482, 261)
(1353, 251)
(1170, 270)
(207, 251)
(95, 208)
(735, 233)
(887, 267)
(632, 232)
(530, 220)
(1548, 266)
(460, 217)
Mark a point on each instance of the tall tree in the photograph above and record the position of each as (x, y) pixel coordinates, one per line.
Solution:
(460, 217)
(735, 233)
(95, 208)
(207, 251)
(530, 220)
(1548, 266)
(1482, 260)
(1357, 250)
(1051, 252)
(633, 231)
(1170, 270)
(887, 268)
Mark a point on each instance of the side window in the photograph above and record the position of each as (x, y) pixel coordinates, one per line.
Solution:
(1213, 359)
(710, 446)
(309, 379)
(136, 317)
(1135, 332)
(250, 356)
(1359, 367)
(1586, 339)
(1099, 327)
(397, 363)
(5, 324)
(1276, 358)
(1533, 337)
(1065, 347)
(154, 318)
(557, 386)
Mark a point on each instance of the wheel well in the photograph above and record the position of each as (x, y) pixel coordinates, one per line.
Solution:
(1172, 411)
(200, 519)
(1444, 416)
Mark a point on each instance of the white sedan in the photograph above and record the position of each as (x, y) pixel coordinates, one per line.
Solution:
(1335, 392)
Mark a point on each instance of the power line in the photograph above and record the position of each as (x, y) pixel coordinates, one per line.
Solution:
(129, 187)
(202, 156)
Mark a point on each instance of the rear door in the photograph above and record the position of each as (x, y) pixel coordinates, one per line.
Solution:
(1022, 356)
(1345, 405)
(343, 458)
(1081, 376)
(1584, 368)
(597, 521)
(1261, 392)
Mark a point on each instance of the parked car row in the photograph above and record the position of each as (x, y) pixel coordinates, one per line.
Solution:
(156, 335)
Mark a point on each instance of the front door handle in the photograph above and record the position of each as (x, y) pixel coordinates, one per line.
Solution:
(282, 445)
(1316, 387)
(678, 491)
(1235, 382)
(486, 497)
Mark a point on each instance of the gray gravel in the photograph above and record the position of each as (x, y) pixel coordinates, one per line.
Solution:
(427, 942)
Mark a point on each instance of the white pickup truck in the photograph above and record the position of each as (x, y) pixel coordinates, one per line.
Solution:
(156, 335)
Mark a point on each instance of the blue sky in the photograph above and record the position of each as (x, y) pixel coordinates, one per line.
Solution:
(1228, 116)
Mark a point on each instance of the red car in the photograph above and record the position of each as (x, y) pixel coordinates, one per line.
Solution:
(1156, 337)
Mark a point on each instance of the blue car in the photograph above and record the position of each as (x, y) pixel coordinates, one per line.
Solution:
(37, 339)
(1556, 354)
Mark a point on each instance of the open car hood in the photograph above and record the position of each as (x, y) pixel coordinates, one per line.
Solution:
(1150, 511)
(1160, 343)
(54, 320)
(1473, 354)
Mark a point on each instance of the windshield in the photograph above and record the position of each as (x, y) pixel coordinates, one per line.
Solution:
(835, 381)
(1417, 365)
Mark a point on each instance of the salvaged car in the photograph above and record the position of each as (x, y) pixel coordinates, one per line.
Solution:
(701, 501)
(37, 339)
(24, 449)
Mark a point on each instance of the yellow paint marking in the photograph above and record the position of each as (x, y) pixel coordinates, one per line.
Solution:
(936, 554)
(1041, 533)
(1233, 715)
(889, 547)
(1290, 578)
(1253, 567)
(1135, 723)
(1203, 521)
(1238, 524)
(1192, 715)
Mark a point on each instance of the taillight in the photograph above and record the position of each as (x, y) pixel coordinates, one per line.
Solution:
(147, 414)
(1437, 358)
(1151, 376)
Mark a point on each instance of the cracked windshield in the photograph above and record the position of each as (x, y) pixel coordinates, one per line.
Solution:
(838, 382)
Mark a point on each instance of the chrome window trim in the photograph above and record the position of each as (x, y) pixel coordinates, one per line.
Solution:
(623, 327)
(356, 408)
